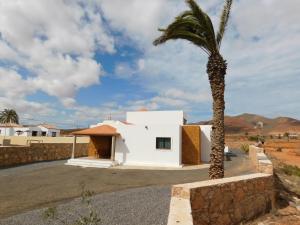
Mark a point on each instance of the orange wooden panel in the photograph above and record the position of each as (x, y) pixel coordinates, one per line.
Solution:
(100, 147)
(191, 144)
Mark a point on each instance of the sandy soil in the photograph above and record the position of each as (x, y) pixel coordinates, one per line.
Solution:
(287, 151)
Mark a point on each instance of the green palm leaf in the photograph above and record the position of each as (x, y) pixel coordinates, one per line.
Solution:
(223, 22)
(9, 116)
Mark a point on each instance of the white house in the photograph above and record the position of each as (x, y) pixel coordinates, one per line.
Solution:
(148, 138)
(8, 129)
(28, 131)
(49, 130)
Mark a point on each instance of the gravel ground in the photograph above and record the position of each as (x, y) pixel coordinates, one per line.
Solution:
(47, 184)
(122, 196)
(138, 206)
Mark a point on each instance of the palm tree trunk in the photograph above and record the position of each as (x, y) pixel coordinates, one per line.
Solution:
(216, 70)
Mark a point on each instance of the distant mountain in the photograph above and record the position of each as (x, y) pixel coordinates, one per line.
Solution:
(252, 123)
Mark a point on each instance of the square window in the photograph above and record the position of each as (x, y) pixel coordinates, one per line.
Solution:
(163, 143)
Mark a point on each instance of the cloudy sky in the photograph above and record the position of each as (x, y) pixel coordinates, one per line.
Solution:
(75, 62)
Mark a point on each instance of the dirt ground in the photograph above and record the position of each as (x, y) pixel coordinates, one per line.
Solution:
(48, 184)
(287, 151)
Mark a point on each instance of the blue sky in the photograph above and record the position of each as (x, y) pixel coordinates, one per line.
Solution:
(75, 63)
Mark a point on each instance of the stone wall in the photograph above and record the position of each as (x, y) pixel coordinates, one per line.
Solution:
(260, 160)
(16, 155)
(224, 201)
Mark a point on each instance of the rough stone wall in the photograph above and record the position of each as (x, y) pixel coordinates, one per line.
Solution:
(224, 201)
(260, 160)
(16, 155)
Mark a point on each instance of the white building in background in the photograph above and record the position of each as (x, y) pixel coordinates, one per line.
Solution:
(28, 130)
(146, 138)
(49, 130)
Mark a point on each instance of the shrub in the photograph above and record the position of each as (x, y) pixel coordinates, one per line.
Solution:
(257, 138)
(245, 148)
(279, 149)
(291, 170)
(253, 138)
(51, 214)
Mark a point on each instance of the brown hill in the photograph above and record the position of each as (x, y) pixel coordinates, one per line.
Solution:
(67, 132)
(252, 123)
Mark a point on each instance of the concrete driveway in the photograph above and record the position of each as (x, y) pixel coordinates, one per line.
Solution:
(51, 183)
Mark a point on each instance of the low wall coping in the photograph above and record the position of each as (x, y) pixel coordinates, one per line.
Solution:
(180, 212)
(265, 161)
(207, 183)
(261, 156)
(258, 149)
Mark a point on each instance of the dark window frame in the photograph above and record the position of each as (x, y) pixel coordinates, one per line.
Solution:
(163, 143)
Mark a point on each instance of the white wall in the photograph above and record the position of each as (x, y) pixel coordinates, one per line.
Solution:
(27, 131)
(49, 131)
(8, 131)
(137, 145)
(205, 142)
(155, 117)
(24, 129)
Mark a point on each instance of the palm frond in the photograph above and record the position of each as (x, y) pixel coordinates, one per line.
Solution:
(223, 22)
(187, 28)
(205, 20)
(9, 116)
(184, 14)
(184, 34)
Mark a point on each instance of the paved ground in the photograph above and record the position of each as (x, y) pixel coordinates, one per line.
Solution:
(48, 184)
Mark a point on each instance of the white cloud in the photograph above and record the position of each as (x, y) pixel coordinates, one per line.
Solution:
(56, 42)
(261, 47)
(12, 85)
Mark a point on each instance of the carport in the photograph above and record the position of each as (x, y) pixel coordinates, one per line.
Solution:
(102, 142)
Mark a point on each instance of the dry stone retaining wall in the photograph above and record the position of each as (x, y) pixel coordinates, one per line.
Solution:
(260, 160)
(226, 201)
(16, 155)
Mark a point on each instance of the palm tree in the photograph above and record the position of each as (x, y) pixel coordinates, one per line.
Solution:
(9, 116)
(195, 26)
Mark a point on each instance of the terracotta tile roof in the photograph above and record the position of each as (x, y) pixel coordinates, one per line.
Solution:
(103, 130)
(10, 125)
(126, 123)
(143, 110)
(48, 126)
